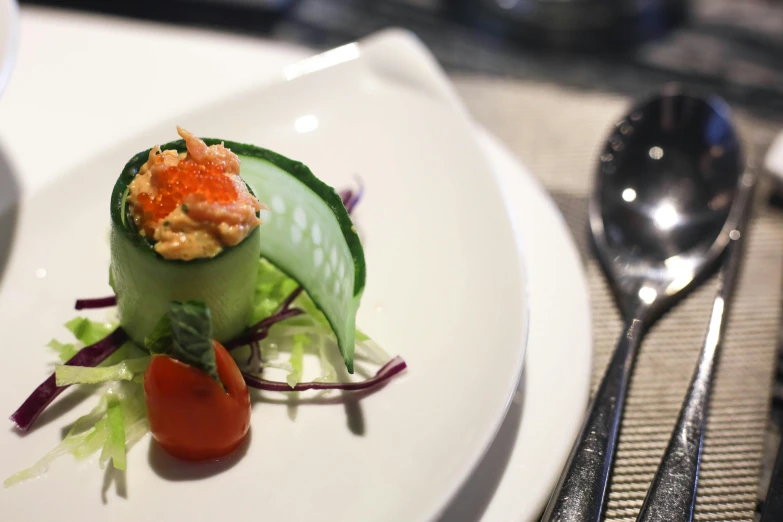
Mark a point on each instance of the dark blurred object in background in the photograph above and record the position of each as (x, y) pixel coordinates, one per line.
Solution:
(582, 25)
(253, 15)
(731, 47)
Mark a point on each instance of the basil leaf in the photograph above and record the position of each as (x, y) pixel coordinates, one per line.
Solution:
(160, 339)
(191, 329)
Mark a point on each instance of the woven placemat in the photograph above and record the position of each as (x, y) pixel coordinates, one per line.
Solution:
(557, 132)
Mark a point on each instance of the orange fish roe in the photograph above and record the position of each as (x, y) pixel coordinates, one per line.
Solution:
(208, 180)
(194, 203)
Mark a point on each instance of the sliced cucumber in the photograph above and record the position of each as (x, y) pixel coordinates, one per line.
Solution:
(146, 283)
(307, 233)
(303, 237)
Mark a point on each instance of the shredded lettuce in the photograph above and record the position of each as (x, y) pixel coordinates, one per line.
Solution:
(85, 331)
(64, 350)
(68, 445)
(112, 427)
(88, 332)
(96, 438)
(136, 431)
(309, 333)
(129, 350)
(286, 366)
(127, 370)
(86, 423)
(114, 447)
(297, 359)
(328, 373)
(273, 287)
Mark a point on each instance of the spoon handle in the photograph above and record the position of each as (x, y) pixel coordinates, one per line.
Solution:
(580, 493)
(672, 494)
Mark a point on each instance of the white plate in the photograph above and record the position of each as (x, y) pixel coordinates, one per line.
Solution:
(9, 34)
(516, 476)
(525, 457)
(445, 290)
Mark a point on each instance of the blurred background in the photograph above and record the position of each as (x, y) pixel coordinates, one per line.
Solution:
(733, 47)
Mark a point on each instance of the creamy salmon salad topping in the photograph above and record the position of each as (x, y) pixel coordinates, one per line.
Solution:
(193, 204)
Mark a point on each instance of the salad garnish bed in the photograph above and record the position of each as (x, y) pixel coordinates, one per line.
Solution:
(169, 365)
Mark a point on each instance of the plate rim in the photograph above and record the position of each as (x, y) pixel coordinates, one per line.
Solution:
(538, 355)
(444, 88)
(412, 60)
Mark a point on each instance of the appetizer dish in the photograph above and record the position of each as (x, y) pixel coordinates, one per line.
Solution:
(228, 261)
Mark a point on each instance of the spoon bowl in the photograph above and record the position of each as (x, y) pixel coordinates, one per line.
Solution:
(667, 180)
(664, 206)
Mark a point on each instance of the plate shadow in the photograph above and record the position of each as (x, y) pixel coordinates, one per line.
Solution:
(476, 494)
(176, 470)
(10, 196)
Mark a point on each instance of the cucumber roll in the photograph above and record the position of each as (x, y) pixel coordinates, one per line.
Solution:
(190, 221)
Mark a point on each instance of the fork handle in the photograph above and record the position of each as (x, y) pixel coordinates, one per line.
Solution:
(581, 491)
(672, 494)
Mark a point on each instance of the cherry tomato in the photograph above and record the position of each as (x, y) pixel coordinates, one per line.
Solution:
(190, 415)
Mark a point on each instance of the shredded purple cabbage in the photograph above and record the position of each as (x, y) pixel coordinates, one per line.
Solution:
(351, 198)
(286, 304)
(346, 196)
(386, 372)
(97, 302)
(91, 356)
(254, 361)
(260, 330)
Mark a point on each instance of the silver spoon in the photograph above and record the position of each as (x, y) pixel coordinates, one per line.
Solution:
(660, 217)
(672, 494)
